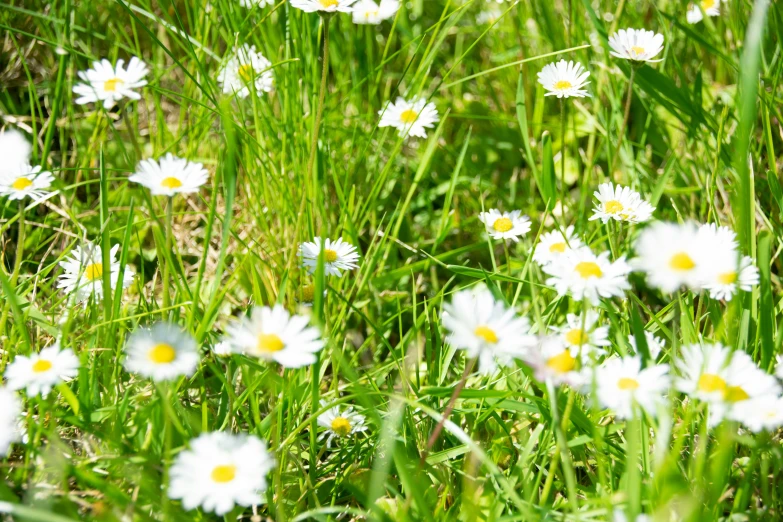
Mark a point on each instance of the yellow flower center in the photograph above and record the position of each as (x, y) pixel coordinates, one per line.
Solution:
(563, 85)
(308, 293)
(626, 383)
(42, 365)
(503, 224)
(93, 271)
(637, 50)
(330, 255)
(588, 269)
(613, 206)
(223, 474)
(341, 426)
(246, 72)
(682, 262)
(162, 354)
(707, 4)
(486, 333)
(21, 184)
(171, 183)
(326, 4)
(735, 394)
(111, 85)
(727, 278)
(557, 247)
(268, 343)
(408, 116)
(577, 337)
(711, 383)
(562, 362)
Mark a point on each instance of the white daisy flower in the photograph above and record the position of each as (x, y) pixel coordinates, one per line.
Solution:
(636, 45)
(696, 12)
(219, 471)
(585, 275)
(554, 244)
(584, 339)
(762, 413)
(553, 362)
(245, 68)
(724, 283)
(10, 417)
(222, 349)
(14, 149)
(621, 383)
(307, 296)
(410, 118)
(327, 6)
(25, 181)
(161, 353)
(621, 204)
(564, 79)
(109, 84)
(40, 372)
(84, 271)
(654, 344)
(505, 225)
(274, 334)
(249, 4)
(338, 256)
(369, 12)
(486, 329)
(619, 516)
(170, 175)
(340, 424)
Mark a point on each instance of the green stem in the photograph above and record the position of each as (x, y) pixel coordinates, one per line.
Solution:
(562, 152)
(166, 267)
(321, 96)
(626, 114)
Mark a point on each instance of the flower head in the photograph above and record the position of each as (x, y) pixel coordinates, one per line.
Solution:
(110, 83)
(636, 45)
(697, 11)
(564, 79)
(621, 383)
(621, 204)
(170, 175)
(762, 413)
(585, 275)
(340, 423)
(25, 181)
(84, 271)
(246, 71)
(326, 6)
(249, 4)
(581, 336)
(369, 12)
(553, 362)
(15, 151)
(505, 225)
(40, 372)
(10, 417)
(410, 118)
(654, 344)
(338, 256)
(162, 352)
(552, 245)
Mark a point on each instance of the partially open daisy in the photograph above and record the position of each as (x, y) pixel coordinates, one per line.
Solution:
(338, 256)
(762, 413)
(306, 296)
(246, 71)
(84, 271)
(585, 275)
(636, 45)
(485, 328)
(697, 11)
(40, 372)
(10, 415)
(621, 383)
(219, 471)
(410, 118)
(552, 245)
(621, 204)
(728, 272)
(553, 362)
(273, 334)
(340, 423)
(110, 83)
(581, 335)
(564, 79)
(326, 6)
(170, 175)
(161, 353)
(25, 181)
(505, 225)
(369, 12)
(654, 344)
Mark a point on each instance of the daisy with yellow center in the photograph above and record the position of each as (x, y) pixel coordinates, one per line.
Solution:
(340, 423)
(728, 271)
(554, 244)
(564, 79)
(246, 71)
(762, 413)
(161, 353)
(337, 256)
(622, 385)
(621, 204)
(109, 83)
(170, 175)
(410, 118)
(553, 362)
(584, 275)
(368, 12)
(323, 6)
(581, 336)
(19, 179)
(40, 372)
(637, 45)
(83, 271)
(696, 12)
(505, 225)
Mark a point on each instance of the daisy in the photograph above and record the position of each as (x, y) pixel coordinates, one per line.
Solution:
(696, 12)
(554, 244)
(10, 416)
(368, 12)
(584, 338)
(219, 471)
(620, 516)
(338, 256)
(585, 275)
(307, 297)
(327, 6)
(84, 271)
(621, 383)
(486, 329)
(762, 413)
(564, 79)
(222, 349)
(161, 353)
(636, 45)
(14, 149)
(654, 344)
(249, 4)
(110, 84)
(244, 69)
(40, 372)
(25, 181)
(340, 424)
(553, 362)
(505, 225)
(724, 282)
(621, 204)
(274, 334)
(410, 118)
(170, 175)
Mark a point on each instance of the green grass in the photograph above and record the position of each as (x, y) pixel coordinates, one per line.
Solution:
(99, 446)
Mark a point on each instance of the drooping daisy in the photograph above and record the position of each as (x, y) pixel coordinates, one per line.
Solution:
(486, 329)
(762, 413)
(553, 362)
(25, 181)
(110, 84)
(552, 245)
(636, 45)
(696, 12)
(505, 225)
(654, 344)
(246, 68)
(307, 295)
(621, 204)
(581, 336)
(40, 372)
(84, 271)
(338, 256)
(170, 175)
(10, 415)
(161, 353)
(723, 282)
(274, 334)
(564, 79)
(368, 12)
(410, 118)
(327, 6)
(585, 275)
(219, 471)
(621, 383)
(339, 423)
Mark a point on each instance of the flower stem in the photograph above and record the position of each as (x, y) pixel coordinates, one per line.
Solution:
(626, 114)
(166, 267)
(562, 151)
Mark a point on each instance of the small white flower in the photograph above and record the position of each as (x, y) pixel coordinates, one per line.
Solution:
(621, 204)
(222, 349)
(369, 12)
(84, 271)
(553, 362)
(170, 175)
(636, 45)
(709, 7)
(505, 225)
(274, 334)
(622, 383)
(219, 471)
(585, 275)
(583, 339)
(307, 297)
(246, 68)
(339, 423)
(328, 6)
(15, 151)
(564, 79)
(410, 118)
(161, 353)
(40, 372)
(486, 329)
(619, 516)
(249, 4)
(10, 417)
(654, 344)
(762, 413)
(109, 84)
(554, 244)
(338, 256)
(725, 283)
(25, 181)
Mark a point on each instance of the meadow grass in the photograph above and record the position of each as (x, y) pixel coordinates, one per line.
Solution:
(697, 138)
